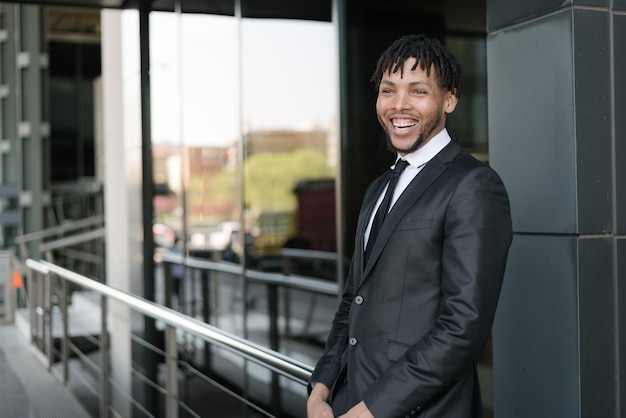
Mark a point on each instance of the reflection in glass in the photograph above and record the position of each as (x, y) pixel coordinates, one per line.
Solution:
(289, 113)
(195, 128)
(244, 148)
(289, 96)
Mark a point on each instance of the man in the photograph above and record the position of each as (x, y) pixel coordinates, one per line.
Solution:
(419, 308)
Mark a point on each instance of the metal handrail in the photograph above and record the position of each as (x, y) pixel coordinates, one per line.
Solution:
(308, 254)
(73, 240)
(274, 360)
(66, 227)
(308, 284)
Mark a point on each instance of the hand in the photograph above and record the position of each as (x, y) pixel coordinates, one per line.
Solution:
(316, 406)
(359, 410)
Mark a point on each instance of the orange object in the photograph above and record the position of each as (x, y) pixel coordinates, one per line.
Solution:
(17, 279)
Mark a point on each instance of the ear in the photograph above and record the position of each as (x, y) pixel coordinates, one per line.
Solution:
(450, 102)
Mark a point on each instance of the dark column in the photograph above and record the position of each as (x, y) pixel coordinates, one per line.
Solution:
(32, 129)
(148, 359)
(555, 137)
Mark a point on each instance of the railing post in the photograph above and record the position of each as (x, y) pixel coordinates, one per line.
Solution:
(104, 358)
(272, 291)
(47, 320)
(32, 292)
(168, 283)
(206, 313)
(171, 365)
(64, 335)
(38, 313)
(287, 299)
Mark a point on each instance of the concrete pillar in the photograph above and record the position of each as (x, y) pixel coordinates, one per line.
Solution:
(556, 137)
(24, 129)
(122, 164)
(33, 130)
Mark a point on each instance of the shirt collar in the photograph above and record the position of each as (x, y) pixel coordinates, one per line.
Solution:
(426, 152)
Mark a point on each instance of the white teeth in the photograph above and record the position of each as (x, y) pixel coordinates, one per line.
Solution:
(404, 124)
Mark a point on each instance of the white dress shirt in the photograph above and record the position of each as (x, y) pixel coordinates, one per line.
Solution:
(417, 160)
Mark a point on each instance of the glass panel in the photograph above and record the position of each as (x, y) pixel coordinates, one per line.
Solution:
(195, 114)
(468, 122)
(289, 112)
(210, 132)
(211, 76)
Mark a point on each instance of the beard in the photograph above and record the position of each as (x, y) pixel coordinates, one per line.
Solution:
(425, 133)
(419, 141)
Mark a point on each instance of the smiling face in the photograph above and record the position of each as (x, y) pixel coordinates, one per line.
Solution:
(412, 107)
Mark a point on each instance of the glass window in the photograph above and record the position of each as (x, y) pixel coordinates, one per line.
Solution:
(290, 98)
(195, 114)
(468, 123)
(244, 153)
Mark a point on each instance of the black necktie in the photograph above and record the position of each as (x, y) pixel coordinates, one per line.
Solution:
(384, 205)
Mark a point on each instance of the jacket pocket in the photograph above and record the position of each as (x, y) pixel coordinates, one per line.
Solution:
(415, 224)
(396, 349)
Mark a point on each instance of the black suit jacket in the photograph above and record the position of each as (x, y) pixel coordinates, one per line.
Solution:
(413, 319)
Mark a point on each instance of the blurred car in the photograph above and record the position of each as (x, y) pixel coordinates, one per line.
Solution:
(164, 236)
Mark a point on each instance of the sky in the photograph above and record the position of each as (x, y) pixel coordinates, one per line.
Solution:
(288, 71)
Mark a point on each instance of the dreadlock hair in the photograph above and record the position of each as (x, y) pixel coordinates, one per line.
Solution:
(428, 52)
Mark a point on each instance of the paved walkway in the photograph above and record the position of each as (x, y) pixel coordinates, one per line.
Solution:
(27, 390)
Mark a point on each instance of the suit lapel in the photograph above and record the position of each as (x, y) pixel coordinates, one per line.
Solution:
(411, 194)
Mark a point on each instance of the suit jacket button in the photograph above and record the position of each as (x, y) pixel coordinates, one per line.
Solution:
(352, 341)
(358, 300)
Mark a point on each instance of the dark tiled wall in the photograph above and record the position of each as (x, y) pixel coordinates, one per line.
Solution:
(621, 297)
(619, 71)
(535, 335)
(532, 123)
(557, 135)
(592, 87)
(597, 338)
(503, 13)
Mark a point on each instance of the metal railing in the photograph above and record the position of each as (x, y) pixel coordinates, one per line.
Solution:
(53, 280)
(59, 231)
(274, 283)
(323, 264)
(78, 242)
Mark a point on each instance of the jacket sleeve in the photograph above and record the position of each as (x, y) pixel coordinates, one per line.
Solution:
(477, 236)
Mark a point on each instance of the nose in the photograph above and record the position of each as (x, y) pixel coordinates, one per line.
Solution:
(401, 100)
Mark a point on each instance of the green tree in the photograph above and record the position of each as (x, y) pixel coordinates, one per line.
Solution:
(270, 178)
